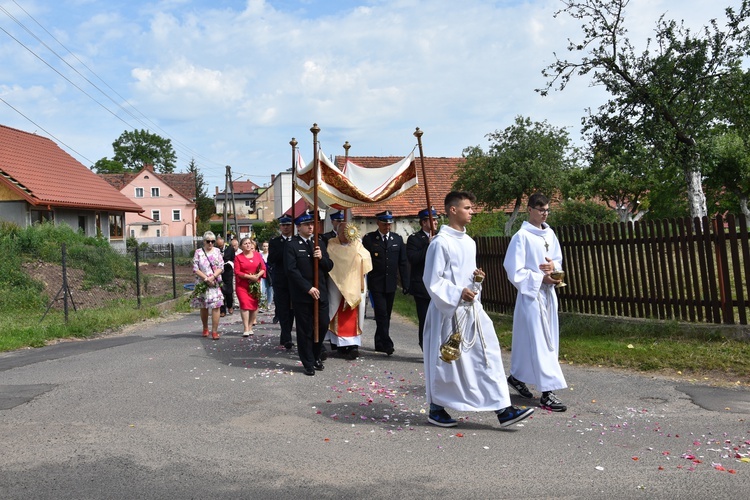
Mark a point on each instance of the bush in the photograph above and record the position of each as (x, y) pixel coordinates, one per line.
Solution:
(100, 263)
(574, 212)
(486, 224)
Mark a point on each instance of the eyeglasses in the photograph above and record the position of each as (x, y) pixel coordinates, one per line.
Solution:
(542, 210)
(211, 241)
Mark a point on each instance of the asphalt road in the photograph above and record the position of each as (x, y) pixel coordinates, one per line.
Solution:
(158, 412)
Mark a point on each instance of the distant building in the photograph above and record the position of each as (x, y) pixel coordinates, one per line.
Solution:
(168, 201)
(241, 196)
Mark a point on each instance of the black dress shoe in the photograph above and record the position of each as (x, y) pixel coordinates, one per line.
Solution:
(275, 319)
(323, 354)
(309, 372)
(318, 365)
(389, 351)
(288, 345)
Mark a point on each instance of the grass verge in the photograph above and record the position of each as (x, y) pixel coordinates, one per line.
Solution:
(24, 329)
(665, 348)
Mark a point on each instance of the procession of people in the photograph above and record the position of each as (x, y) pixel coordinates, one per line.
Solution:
(323, 283)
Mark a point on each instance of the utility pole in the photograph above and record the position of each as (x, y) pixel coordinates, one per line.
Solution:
(227, 180)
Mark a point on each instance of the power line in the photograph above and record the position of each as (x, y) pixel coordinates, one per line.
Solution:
(65, 77)
(45, 130)
(186, 149)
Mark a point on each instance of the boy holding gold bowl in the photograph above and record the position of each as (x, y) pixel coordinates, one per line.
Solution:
(533, 256)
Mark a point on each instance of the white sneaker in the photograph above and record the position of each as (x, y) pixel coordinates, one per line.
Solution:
(248, 333)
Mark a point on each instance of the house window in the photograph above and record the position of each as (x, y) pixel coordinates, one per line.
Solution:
(158, 233)
(139, 192)
(247, 203)
(132, 233)
(82, 223)
(156, 215)
(42, 216)
(176, 215)
(154, 192)
(115, 227)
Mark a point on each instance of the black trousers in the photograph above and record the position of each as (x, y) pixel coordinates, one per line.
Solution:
(284, 312)
(422, 306)
(309, 350)
(382, 308)
(227, 289)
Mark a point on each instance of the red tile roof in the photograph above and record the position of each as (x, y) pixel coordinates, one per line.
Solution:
(244, 187)
(440, 178)
(300, 205)
(44, 175)
(184, 184)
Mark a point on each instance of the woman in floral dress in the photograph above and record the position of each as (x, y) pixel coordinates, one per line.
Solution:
(208, 265)
(249, 269)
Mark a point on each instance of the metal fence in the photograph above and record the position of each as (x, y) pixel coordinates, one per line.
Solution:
(693, 270)
(130, 278)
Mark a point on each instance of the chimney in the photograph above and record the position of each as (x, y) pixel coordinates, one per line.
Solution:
(217, 189)
(149, 167)
(273, 178)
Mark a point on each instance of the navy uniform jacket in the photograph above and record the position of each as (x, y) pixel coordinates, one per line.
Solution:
(388, 259)
(329, 235)
(416, 252)
(275, 261)
(299, 262)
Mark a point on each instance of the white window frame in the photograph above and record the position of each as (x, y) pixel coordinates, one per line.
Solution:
(139, 192)
(156, 215)
(157, 191)
(177, 212)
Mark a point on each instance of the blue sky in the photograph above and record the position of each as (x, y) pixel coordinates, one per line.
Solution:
(231, 82)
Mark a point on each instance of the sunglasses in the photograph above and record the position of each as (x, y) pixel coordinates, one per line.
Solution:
(211, 241)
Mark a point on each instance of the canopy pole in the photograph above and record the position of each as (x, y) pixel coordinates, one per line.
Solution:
(293, 143)
(346, 160)
(418, 134)
(316, 313)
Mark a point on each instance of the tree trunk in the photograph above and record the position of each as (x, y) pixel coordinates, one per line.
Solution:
(744, 209)
(512, 218)
(696, 197)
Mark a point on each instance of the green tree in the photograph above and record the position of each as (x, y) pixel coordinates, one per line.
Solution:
(618, 173)
(728, 150)
(524, 158)
(729, 172)
(486, 224)
(574, 212)
(204, 204)
(138, 148)
(264, 231)
(107, 166)
(663, 93)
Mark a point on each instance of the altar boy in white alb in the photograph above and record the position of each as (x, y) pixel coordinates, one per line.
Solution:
(476, 380)
(533, 254)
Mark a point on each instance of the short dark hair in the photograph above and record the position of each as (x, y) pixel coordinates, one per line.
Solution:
(538, 200)
(452, 198)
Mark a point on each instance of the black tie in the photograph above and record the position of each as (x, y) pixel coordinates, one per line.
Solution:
(309, 245)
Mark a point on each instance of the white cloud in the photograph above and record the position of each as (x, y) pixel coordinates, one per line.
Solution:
(234, 83)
